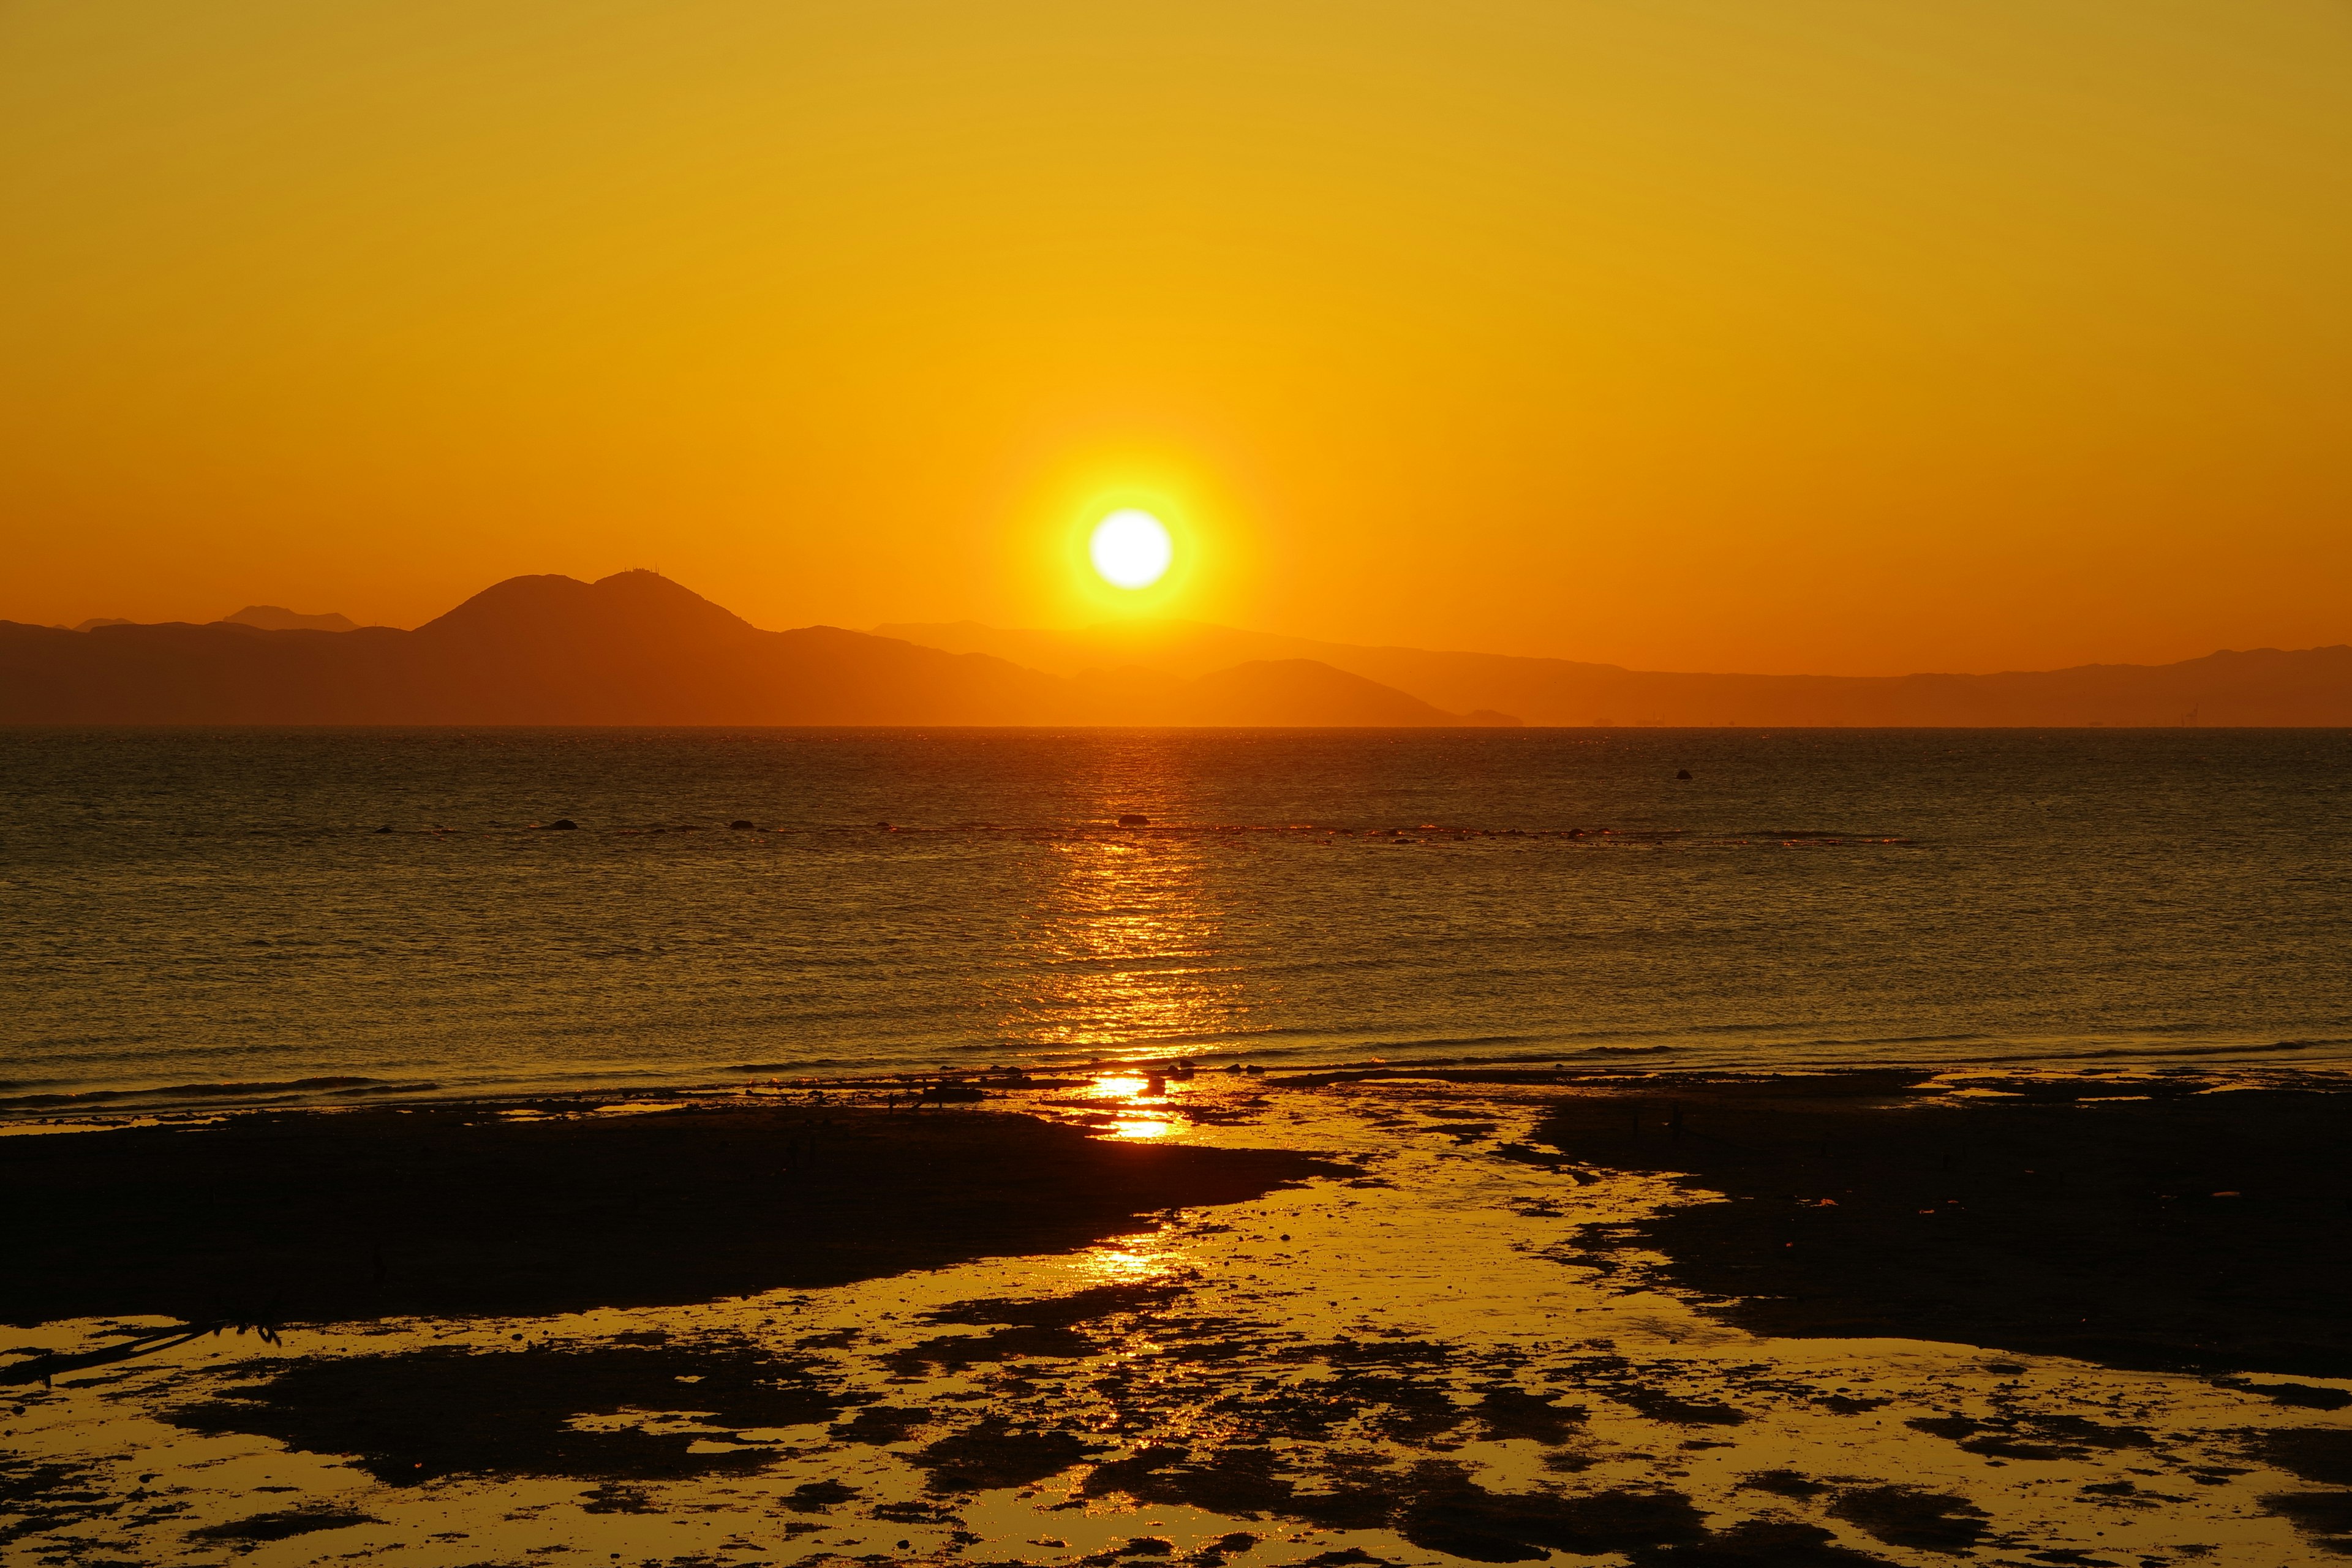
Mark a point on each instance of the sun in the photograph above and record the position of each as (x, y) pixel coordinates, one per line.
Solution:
(1131, 549)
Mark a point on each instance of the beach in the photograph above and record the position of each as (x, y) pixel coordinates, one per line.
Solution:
(1362, 1316)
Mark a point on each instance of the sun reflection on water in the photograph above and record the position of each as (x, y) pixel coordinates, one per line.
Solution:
(1126, 1265)
(1140, 1127)
(1135, 1106)
(1124, 955)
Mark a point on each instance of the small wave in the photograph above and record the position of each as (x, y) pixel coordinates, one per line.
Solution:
(1444, 1041)
(198, 1091)
(1854, 1040)
(2107, 1053)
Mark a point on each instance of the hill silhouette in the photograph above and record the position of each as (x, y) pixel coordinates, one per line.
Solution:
(637, 648)
(2263, 687)
(631, 648)
(275, 618)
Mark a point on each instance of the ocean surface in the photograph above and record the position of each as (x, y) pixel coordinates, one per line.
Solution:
(219, 916)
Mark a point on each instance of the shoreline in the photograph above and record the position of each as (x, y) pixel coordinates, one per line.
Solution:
(1633, 1066)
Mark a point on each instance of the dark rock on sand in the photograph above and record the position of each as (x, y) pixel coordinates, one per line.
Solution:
(1239, 1481)
(1905, 1516)
(1449, 1512)
(2327, 1516)
(422, 1415)
(283, 1525)
(1088, 1306)
(994, 1453)
(1432, 1503)
(1660, 1406)
(1762, 1543)
(954, 1352)
(2025, 1435)
(1782, 1483)
(2322, 1453)
(879, 1426)
(819, 1497)
(1507, 1412)
(2307, 1396)
(40, 1494)
(1045, 1328)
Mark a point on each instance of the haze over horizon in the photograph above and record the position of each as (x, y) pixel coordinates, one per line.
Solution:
(1848, 339)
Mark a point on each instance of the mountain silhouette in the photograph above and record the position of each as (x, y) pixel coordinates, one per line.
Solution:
(631, 648)
(275, 618)
(637, 648)
(2263, 687)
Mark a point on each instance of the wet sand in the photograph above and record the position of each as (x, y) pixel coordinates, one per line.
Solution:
(1428, 1320)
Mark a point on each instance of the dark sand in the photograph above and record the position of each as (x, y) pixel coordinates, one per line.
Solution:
(2074, 1218)
(301, 1217)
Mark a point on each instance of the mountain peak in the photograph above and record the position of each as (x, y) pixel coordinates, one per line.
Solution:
(631, 603)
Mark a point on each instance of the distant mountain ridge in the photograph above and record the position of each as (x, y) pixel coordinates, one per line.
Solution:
(2264, 687)
(274, 618)
(636, 649)
(266, 617)
(631, 648)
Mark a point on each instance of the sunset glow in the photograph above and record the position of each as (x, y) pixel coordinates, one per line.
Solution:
(1858, 339)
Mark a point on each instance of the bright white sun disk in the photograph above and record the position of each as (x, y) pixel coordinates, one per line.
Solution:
(1131, 549)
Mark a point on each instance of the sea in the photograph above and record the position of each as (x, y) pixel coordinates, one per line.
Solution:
(254, 916)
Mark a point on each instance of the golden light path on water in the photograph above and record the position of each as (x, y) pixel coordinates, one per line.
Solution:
(1124, 946)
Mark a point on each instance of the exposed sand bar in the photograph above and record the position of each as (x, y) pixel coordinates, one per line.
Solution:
(460, 1211)
(2151, 1224)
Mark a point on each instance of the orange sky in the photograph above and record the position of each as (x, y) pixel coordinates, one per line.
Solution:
(1835, 335)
